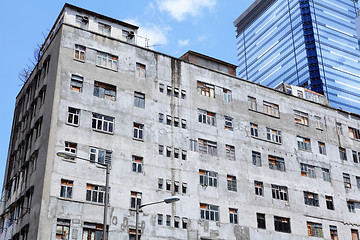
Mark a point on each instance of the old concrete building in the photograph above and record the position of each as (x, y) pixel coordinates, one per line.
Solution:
(246, 161)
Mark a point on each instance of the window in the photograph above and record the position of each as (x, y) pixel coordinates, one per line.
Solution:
(168, 185)
(137, 164)
(326, 174)
(140, 70)
(168, 220)
(82, 21)
(128, 36)
(303, 143)
(229, 123)
(70, 147)
(66, 188)
(176, 92)
(138, 131)
(322, 148)
(184, 223)
(351, 206)
(104, 29)
(347, 182)
(277, 163)
(358, 182)
(231, 183)
(183, 154)
(95, 193)
(168, 151)
(301, 118)
(354, 234)
(252, 103)
(76, 83)
(193, 145)
(207, 117)
(176, 186)
(107, 61)
(176, 153)
(79, 52)
(208, 178)
(333, 233)
(135, 199)
(176, 222)
(273, 135)
(311, 199)
(319, 122)
(161, 149)
(259, 188)
(100, 155)
(307, 170)
(342, 152)
(209, 212)
(183, 94)
(260, 218)
(160, 183)
(168, 91)
(73, 116)
(161, 117)
(207, 147)
(279, 192)
(206, 89)
(176, 122)
(184, 187)
(102, 123)
(103, 90)
(256, 158)
(354, 133)
(230, 152)
(282, 224)
(254, 130)
(93, 231)
(329, 202)
(160, 219)
(233, 215)
(271, 109)
(62, 229)
(356, 156)
(168, 120)
(183, 123)
(314, 229)
(227, 95)
(161, 87)
(339, 128)
(139, 100)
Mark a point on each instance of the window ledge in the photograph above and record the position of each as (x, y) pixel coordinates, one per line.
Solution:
(71, 124)
(265, 140)
(79, 60)
(251, 110)
(100, 131)
(107, 68)
(139, 140)
(300, 124)
(309, 151)
(355, 139)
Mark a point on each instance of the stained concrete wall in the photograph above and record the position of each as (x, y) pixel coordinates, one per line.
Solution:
(163, 69)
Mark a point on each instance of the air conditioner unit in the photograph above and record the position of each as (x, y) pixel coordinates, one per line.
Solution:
(85, 19)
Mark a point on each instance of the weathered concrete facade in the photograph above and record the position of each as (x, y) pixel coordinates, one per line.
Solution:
(206, 136)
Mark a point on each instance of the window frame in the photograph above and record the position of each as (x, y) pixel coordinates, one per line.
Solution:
(107, 61)
(206, 89)
(103, 123)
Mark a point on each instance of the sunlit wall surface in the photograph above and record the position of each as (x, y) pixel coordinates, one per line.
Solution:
(306, 43)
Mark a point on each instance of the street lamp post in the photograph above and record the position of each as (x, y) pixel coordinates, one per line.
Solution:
(138, 207)
(68, 155)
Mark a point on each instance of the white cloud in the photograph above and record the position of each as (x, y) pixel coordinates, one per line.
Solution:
(183, 43)
(149, 34)
(179, 9)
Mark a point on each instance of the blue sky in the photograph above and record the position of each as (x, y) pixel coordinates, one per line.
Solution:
(173, 27)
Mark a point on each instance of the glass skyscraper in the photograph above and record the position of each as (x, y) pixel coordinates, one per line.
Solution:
(309, 43)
